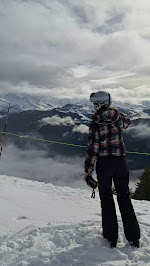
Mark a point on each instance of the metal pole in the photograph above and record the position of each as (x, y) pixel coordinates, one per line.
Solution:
(4, 131)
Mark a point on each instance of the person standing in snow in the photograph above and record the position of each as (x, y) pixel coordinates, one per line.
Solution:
(106, 147)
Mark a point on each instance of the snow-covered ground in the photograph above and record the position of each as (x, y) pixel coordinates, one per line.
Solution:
(42, 224)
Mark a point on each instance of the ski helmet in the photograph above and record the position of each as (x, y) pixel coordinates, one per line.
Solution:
(100, 99)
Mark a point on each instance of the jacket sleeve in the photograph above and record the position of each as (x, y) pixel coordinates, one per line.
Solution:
(92, 148)
(126, 121)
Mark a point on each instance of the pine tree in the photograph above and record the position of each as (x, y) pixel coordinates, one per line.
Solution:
(142, 191)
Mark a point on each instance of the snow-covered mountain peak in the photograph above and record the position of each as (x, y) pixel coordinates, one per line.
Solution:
(23, 102)
(75, 108)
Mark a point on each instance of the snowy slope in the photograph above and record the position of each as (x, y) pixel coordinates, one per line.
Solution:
(41, 224)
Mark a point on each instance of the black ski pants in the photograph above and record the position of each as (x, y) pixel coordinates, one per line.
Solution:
(115, 168)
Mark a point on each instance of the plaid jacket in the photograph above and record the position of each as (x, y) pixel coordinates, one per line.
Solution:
(105, 136)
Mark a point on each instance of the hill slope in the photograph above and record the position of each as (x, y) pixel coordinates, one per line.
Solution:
(42, 224)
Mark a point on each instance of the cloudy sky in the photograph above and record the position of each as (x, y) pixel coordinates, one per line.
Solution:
(69, 48)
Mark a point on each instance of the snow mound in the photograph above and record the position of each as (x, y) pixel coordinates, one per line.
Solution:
(71, 245)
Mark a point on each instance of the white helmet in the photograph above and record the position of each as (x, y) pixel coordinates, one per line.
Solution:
(100, 99)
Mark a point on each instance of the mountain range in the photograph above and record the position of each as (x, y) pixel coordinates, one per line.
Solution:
(35, 117)
(22, 102)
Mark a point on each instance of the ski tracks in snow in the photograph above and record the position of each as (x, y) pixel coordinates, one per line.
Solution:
(71, 245)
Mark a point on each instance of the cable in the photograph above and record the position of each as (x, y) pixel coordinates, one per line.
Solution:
(63, 143)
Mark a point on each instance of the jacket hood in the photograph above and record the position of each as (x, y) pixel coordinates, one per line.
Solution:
(106, 116)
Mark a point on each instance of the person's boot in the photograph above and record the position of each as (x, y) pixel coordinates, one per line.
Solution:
(113, 243)
(134, 243)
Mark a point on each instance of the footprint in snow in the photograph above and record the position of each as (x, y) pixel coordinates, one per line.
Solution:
(21, 218)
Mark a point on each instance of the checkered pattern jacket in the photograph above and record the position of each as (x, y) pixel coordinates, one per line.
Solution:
(105, 136)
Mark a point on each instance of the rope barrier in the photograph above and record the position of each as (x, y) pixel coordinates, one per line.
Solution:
(44, 140)
(62, 143)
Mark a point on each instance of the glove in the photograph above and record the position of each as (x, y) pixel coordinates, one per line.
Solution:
(91, 183)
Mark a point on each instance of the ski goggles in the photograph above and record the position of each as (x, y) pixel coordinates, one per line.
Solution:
(97, 105)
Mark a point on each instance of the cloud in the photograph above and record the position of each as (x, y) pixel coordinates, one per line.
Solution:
(35, 165)
(141, 131)
(83, 129)
(135, 176)
(71, 48)
(137, 18)
(135, 96)
(57, 120)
